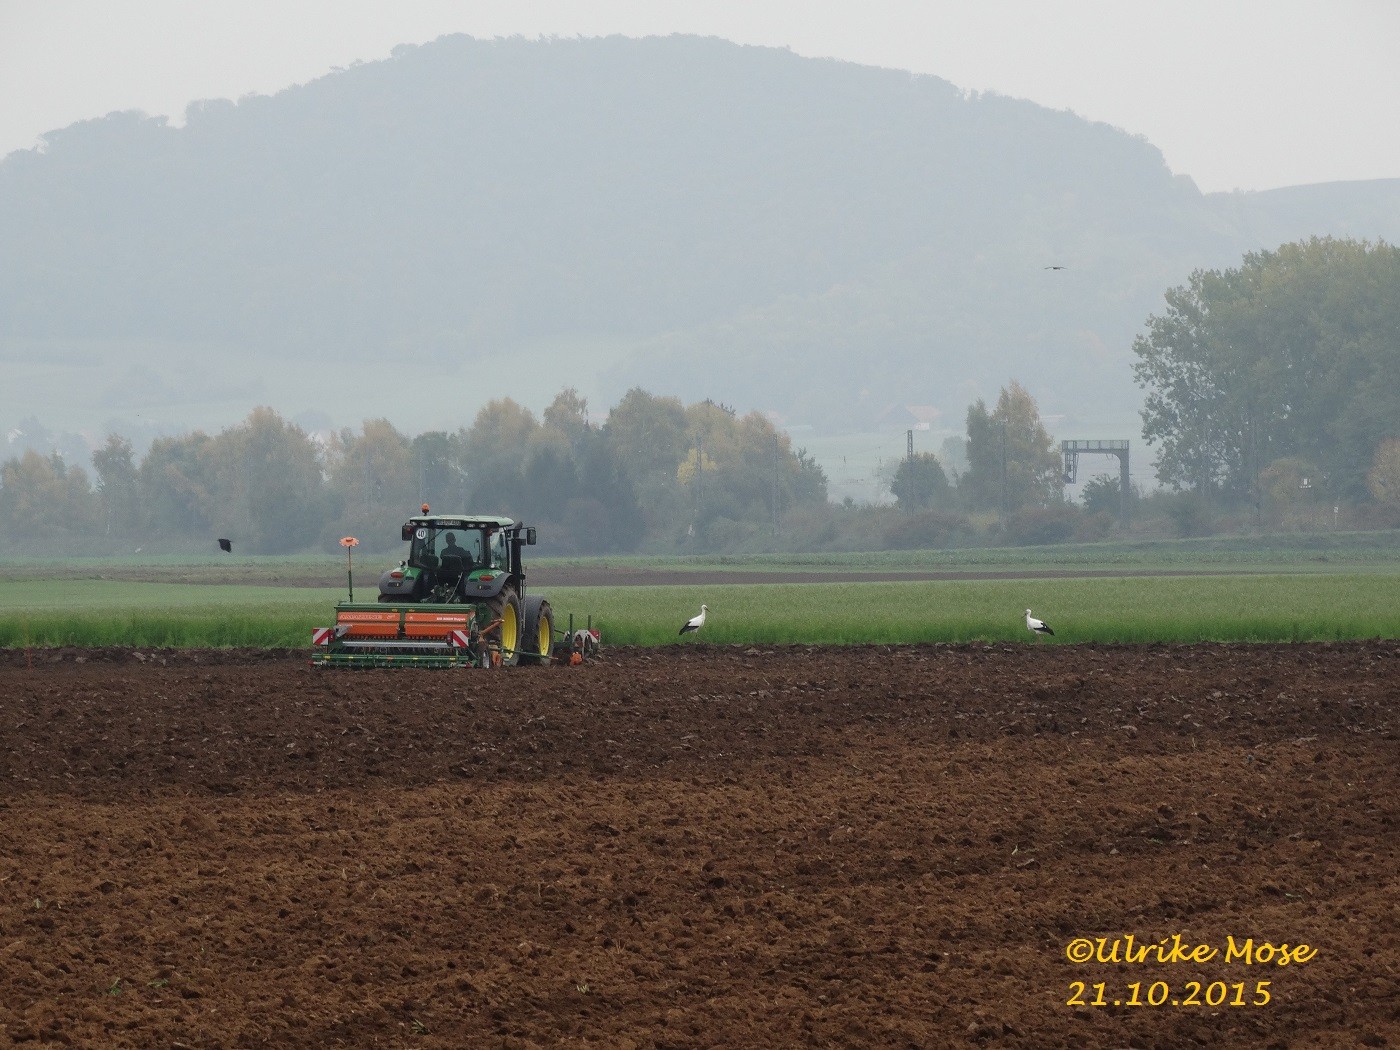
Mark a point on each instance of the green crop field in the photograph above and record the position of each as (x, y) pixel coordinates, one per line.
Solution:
(1296, 607)
(110, 612)
(1138, 609)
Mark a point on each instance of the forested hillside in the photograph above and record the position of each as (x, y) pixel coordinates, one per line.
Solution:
(410, 238)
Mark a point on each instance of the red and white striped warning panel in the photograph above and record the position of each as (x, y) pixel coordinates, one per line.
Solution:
(321, 635)
(457, 638)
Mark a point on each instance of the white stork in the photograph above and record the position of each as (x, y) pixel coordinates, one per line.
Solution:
(1037, 626)
(695, 622)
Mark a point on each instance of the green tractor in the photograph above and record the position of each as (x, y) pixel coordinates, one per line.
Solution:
(457, 599)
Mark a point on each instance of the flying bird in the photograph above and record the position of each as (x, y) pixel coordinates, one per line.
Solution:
(226, 545)
(1056, 267)
(695, 622)
(1037, 626)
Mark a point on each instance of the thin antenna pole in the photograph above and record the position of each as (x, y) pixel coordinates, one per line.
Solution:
(347, 542)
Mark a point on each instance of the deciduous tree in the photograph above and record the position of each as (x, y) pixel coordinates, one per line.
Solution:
(1012, 459)
(267, 483)
(648, 434)
(117, 485)
(920, 483)
(1292, 355)
(498, 441)
(175, 480)
(1383, 479)
(42, 497)
(374, 480)
(566, 419)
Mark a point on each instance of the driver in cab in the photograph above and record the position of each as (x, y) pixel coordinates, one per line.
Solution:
(453, 557)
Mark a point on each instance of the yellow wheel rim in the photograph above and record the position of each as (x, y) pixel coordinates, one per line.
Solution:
(546, 636)
(510, 629)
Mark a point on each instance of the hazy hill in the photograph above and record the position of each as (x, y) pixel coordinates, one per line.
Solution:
(465, 220)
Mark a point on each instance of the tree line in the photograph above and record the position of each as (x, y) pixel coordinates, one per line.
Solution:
(657, 475)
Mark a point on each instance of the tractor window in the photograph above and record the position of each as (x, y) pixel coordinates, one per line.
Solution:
(498, 550)
(423, 552)
(430, 544)
(463, 545)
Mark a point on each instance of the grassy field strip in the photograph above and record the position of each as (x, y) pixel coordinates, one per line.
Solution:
(102, 595)
(106, 612)
(1136, 609)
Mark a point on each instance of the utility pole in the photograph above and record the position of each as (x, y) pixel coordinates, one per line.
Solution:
(775, 490)
(1205, 460)
(1254, 456)
(699, 474)
(1001, 425)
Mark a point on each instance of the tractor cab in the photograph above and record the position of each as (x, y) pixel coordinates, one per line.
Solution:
(456, 558)
(449, 548)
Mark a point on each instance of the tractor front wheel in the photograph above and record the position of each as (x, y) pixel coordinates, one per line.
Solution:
(538, 638)
(506, 608)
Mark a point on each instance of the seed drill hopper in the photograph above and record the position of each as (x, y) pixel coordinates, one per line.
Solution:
(457, 600)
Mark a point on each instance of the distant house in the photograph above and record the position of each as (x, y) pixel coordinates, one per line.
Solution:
(926, 415)
(908, 417)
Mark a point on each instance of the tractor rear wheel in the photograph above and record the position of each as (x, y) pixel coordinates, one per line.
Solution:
(506, 608)
(538, 636)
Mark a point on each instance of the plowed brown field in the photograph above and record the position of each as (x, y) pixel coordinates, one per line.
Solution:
(703, 846)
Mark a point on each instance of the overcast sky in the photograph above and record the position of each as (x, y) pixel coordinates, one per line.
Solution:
(1238, 94)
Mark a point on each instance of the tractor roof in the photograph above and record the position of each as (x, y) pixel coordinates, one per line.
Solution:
(461, 521)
